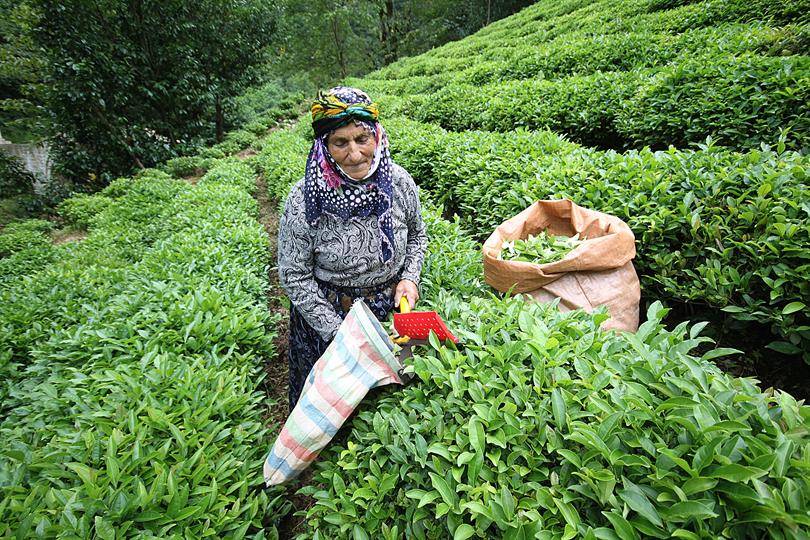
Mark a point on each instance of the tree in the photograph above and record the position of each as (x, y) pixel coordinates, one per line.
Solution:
(21, 71)
(330, 39)
(327, 39)
(133, 82)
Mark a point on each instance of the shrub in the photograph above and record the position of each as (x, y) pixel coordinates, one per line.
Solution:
(187, 166)
(160, 313)
(704, 220)
(739, 102)
(80, 210)
(25, 234)
(25, 248)
(544, 426)
(582, 107)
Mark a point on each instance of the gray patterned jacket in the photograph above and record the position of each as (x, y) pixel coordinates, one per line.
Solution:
(346, 254)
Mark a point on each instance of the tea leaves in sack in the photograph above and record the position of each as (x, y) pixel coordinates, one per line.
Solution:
(539, 249)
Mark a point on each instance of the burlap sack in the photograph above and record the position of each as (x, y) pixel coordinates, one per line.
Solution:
(598, 272)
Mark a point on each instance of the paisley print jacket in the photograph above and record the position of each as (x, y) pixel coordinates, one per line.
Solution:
(346, 254)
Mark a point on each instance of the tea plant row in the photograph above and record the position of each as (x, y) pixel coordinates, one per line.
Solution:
(713, 227)
(586, 52)
(131, 369)
(618, 75)
(545, 426)
(545, 22)
(739, 101)
(25, 246)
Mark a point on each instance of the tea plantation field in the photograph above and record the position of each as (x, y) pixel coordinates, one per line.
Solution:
(132, 397)
(662, 113)
(543, 426)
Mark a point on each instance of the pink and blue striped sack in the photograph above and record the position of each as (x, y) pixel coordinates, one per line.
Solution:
(361, 357)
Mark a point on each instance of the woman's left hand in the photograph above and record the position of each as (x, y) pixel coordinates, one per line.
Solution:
(408, 289)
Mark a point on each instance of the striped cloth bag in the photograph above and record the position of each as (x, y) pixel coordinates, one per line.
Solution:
(360, 358)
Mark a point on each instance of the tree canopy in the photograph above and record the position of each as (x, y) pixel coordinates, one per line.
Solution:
(119, 85)
(331, 40)
(131, 83)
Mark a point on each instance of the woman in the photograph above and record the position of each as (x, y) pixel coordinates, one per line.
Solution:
(351, 228)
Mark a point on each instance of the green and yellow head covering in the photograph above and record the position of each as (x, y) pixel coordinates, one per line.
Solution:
(336, 107)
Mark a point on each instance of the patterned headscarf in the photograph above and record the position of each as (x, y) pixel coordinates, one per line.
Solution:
(327, 188)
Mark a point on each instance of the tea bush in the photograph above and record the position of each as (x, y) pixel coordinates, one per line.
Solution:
(545, 426)
(81, 209)
(541, 23)
(714, 227)
(235, 142)
(20, 235)
(583, 107)
(615, 75)
(282, 161)
(739, 102)
(186, 166)
(130, 371)
(586, 52)
(25, 248)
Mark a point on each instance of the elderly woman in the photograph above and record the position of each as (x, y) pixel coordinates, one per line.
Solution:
(351, 228)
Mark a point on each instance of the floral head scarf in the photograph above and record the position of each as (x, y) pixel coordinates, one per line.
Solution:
(327, 188)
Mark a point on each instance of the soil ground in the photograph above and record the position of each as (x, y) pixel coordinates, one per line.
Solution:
(276, 369)
(63, 236)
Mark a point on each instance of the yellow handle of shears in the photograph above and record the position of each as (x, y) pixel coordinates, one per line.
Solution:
(404, 305)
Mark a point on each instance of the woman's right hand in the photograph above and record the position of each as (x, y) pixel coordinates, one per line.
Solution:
(408, 289)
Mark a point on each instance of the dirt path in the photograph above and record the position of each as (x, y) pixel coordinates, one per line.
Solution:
(276, 370)
(63, 236)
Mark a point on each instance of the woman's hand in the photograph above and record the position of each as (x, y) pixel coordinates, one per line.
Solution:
(408, 289)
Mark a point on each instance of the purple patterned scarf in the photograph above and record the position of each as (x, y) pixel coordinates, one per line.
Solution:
(329, 190)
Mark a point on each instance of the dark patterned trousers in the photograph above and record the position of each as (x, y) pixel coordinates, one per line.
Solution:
(306, 345)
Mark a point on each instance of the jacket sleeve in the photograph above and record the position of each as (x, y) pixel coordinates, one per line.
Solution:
(417, 235)
(296, 260)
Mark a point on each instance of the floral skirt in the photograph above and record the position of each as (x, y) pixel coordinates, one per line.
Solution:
(306, 345)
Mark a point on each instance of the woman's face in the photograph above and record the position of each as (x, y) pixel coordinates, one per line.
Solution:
(353, 148)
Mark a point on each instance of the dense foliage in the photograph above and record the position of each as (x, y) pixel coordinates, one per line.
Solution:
(621, 74)
(25, 247)
(132, 84)
(545, 426)
(129, 361)
(713, 227)
(130, 367)
(22, 118)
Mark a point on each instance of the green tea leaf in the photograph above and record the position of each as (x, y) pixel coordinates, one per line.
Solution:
(104, 530)
(638, 501)
(463, 532)
(558, 408)
(793, 307)
(686, 510)
(358, 533)
(440, 484)
(735, 472)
